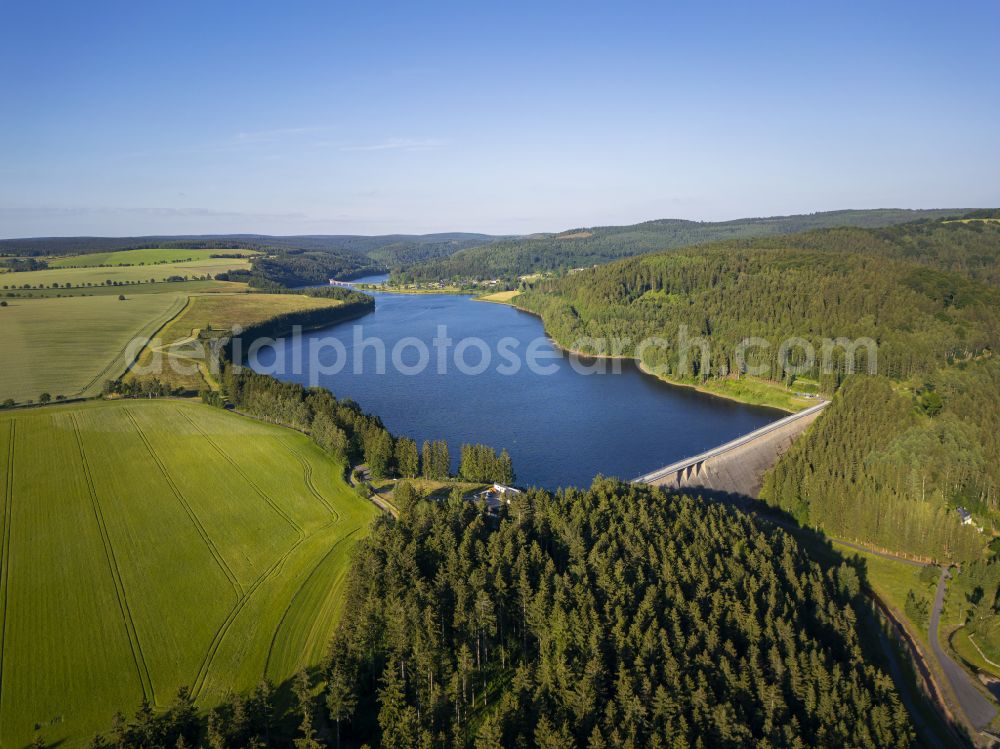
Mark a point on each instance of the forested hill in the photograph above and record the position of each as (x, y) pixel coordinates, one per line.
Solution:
(288, 261)
(920, 317)
(892, 459)
(970, 247)
(584, 247)
(617, 616)
(356, 243)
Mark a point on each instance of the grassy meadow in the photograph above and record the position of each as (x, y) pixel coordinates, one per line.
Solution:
(892, 580)
(69, 346)
(140, 257)
(502, 297)
(973, 650)
(89, 277)
(161, 287)
(179, 346)
(155, 544)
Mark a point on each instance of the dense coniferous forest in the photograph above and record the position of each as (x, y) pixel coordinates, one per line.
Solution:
(894, 456)
(919, 317)
(616, 616)
(577, 248)
(969, 247)
(307, 268)
(480, 463)
(315, 260)
(882, 469)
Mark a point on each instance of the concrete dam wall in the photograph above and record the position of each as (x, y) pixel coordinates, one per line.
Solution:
(737, 467)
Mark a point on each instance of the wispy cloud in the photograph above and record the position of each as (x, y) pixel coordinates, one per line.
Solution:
(257, 136)
(400, 144)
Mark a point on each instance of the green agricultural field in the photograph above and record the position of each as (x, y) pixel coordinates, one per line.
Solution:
(70, 346)
(91, 277)
(153, 544)
(161, 287)
(140, 257)
(176, 356)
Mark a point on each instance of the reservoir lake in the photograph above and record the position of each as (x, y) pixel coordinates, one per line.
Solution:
(561, 428)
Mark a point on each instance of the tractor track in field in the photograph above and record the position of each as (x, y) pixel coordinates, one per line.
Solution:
(263, 495)
(145, 678)
(243, 595)
(291, 601)
(8, 504)
(220, 635)
(202, 531)
(160, 323)
(307, 475)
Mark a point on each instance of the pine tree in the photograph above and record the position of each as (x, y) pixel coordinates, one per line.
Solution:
(407, 458)
(396, 718)
(340, 699)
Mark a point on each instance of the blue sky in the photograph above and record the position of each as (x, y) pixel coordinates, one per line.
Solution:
(328, 117)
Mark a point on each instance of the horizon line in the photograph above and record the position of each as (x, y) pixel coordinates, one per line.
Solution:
(519, 235)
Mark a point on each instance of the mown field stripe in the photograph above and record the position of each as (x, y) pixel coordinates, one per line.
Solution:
(115, 363)
(8, 504)
(307, 475)
(202, 531)
(199, 681)
(142, 668)
(291, 602)
(263, 495)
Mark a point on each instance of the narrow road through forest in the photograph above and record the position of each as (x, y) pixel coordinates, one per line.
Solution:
(977, 708)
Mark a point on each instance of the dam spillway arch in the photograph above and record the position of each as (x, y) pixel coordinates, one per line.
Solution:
(737, 466)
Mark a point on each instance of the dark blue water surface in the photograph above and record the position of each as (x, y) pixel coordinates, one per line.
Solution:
(561, 429)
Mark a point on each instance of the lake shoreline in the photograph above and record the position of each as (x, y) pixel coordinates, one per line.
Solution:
(649, 373)
(730, 396)
(511, 407)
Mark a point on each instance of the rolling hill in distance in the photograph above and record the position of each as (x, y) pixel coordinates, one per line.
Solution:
(582, 247)
(306, 259)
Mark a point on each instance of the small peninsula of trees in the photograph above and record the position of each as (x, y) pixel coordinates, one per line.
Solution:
(351, 436)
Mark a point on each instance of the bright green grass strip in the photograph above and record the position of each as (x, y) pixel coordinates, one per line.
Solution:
(313, 613)
(162, 287)
(139, 257)
(66, 646)
(967, 650)
(83, 278)
(155, 539)
(892, 580)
